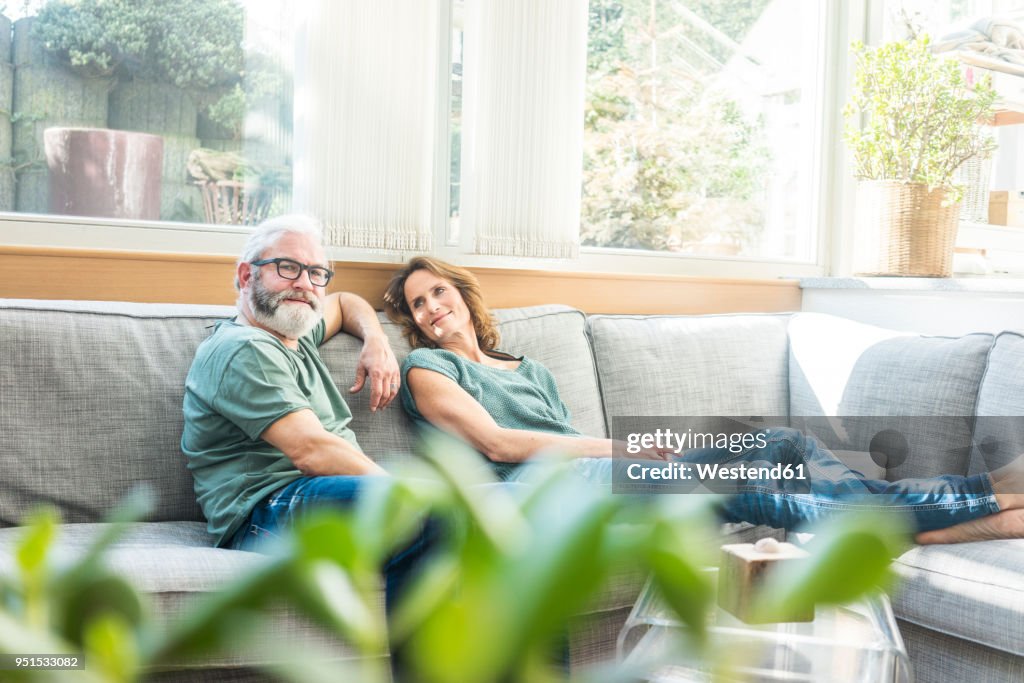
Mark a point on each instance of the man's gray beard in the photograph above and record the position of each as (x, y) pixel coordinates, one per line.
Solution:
(269, 310)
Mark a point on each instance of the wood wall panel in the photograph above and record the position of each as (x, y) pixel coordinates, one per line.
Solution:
(94, 274)
(59, 273)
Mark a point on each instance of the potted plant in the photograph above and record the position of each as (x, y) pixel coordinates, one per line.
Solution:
(167, 66)
(920, 123)
(236, 190)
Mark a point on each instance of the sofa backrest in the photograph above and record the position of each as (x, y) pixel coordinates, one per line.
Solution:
(91, 395)
(556, 336)
(689, 366)
(91, 392)
(838, 367)
(999, 432)
(91, 398)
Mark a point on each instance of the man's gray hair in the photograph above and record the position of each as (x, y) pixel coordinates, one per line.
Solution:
(271, 230)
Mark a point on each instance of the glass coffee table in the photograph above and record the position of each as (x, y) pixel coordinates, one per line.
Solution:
(854, 643)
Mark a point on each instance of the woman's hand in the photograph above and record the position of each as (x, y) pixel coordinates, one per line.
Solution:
(619, 450)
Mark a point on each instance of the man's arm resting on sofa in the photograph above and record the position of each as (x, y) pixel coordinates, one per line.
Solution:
(377, 365)
(314, 450)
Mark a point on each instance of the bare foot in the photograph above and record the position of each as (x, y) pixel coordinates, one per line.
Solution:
(1008, 485)
(1005, 524)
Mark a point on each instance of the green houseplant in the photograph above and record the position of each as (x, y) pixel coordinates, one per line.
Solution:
(912, 120)
(236, 191)
(491, 604)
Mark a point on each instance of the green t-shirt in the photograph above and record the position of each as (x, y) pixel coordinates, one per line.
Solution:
(524, 398)
(242, 380)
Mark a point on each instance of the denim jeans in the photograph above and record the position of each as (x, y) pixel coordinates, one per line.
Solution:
(280, 510)
(829, 486)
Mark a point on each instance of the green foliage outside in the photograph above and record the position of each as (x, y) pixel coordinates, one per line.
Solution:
(493, 604)
(190, 43)
(921, 115)
(262, 78)
(196, 45)
(667, 159)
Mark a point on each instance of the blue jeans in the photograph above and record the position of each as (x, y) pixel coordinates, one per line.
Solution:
(280, 510)
(829, 486)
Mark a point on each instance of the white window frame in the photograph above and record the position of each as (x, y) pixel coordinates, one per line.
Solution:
(843, 22)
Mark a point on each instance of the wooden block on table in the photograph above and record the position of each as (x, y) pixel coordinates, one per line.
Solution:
(742, 572)
(1006, 208)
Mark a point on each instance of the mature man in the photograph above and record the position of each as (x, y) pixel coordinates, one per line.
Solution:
(266, 430)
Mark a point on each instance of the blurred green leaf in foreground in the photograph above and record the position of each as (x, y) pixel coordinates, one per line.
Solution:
(494, 601)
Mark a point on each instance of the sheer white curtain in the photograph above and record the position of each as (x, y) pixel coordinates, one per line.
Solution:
(522, 146)
(365, 101)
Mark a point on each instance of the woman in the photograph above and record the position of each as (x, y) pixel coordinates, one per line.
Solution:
(508, 408)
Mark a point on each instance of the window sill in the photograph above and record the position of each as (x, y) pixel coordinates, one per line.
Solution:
(989, 284)
(115, 275)
(34, 230)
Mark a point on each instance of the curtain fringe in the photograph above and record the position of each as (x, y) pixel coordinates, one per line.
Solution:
(376, 238)
(511, 246)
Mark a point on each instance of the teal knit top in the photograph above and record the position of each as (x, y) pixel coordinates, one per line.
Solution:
(524, 398)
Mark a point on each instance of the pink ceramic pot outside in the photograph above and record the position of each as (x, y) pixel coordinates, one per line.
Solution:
(104, 173)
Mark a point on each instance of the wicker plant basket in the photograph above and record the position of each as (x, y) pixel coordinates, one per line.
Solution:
(904, 230)
(975, 175)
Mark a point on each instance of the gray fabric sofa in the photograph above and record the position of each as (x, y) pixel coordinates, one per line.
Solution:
(90, 404)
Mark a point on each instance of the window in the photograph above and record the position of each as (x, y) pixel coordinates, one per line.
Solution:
(700, 127)
(703, 126)
(193, 112)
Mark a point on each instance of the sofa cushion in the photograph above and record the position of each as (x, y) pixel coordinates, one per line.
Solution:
(939, 658)
(92, 396)
(999, 430)
(725, 365)
(841, 367)
(165, 557)
(556, 336)
(385, 435)
(973, 591)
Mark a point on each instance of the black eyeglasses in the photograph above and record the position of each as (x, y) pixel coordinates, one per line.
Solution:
(292, 270)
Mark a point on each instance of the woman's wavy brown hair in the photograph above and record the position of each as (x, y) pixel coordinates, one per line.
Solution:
(398, 311)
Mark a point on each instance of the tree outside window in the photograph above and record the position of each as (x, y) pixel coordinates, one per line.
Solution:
(689, 130)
